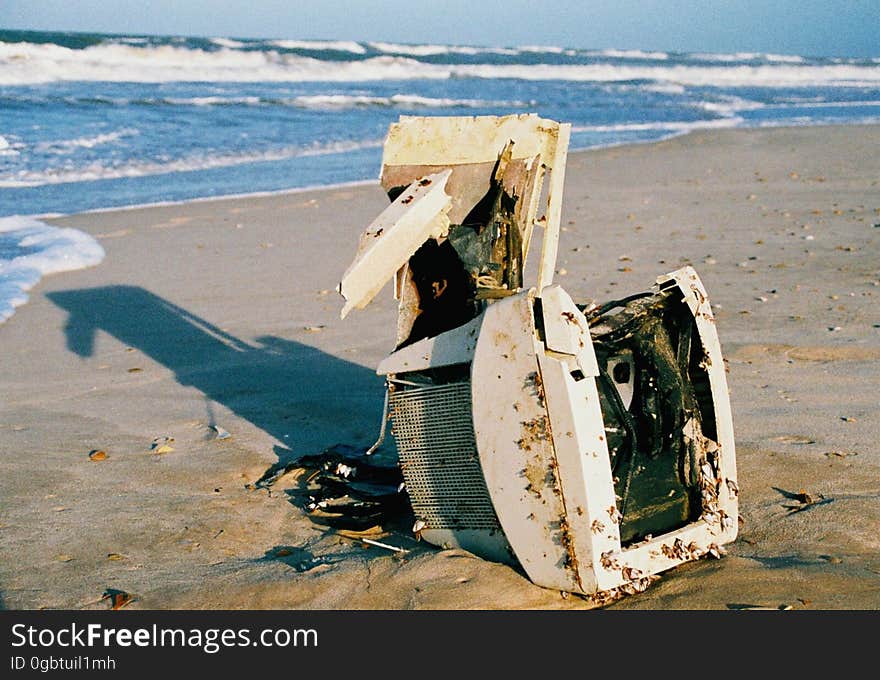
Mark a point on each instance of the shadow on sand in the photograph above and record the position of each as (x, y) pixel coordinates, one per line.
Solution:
(302, 396)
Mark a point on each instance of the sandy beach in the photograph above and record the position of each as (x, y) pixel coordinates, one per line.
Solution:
(223, 313)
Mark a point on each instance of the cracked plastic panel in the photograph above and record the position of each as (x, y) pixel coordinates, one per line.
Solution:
(494, 169)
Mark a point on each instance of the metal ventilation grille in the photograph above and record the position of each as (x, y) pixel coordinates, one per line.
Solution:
(434, 430)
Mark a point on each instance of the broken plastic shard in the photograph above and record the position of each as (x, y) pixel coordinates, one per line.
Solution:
(221, 433)
(345, 470)
(418, 214)
(379, 544)
(419, 525)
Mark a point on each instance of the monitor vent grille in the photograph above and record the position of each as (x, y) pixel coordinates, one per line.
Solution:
(434, 430)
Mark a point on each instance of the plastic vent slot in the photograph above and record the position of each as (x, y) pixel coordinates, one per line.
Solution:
(434, 430)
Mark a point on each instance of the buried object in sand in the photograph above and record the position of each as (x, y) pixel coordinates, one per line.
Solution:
(590, 444)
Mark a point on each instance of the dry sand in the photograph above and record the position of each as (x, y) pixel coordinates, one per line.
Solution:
(223, 312)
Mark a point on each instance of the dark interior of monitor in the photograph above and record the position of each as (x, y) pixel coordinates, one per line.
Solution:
(657, 407)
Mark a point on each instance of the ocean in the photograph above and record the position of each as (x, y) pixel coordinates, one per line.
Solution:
(101, 121)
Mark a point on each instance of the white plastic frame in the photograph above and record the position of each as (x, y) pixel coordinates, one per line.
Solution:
(541, 441)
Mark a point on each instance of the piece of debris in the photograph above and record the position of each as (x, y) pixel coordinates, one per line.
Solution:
(301, 559)
(313, 329)
(117, 598)
(716, 551)
(221, 432)
(97, 455)
(805, 500)
(840, 454)
(345, 470)
(115, 557)
(343, 487)
(64, 558)
(758, 607)
(379, 544)
(162, 445)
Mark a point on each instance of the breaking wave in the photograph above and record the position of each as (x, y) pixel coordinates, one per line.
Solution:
(102, 170)
(631, 54)
(31, 63)
(334, 102)
(63, 146)
(729, 105)
(343, 101)
(825, 105)
(7, 148)
(319, 45)
(661, 126)
(436, 50)
(228, 42)
(751, 56)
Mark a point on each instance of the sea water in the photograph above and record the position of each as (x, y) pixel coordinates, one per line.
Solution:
(30, 249)
(100, 121)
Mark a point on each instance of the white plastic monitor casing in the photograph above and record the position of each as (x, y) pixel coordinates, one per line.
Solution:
(540, 440)
(506, 455)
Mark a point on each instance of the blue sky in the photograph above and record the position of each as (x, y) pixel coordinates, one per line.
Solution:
(806, 27)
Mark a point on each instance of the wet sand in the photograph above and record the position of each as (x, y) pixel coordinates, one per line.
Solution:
(224, 313)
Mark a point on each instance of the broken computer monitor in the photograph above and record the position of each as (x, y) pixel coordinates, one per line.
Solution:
(592, 446)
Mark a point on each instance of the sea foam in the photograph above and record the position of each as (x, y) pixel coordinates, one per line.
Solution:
(30, 250)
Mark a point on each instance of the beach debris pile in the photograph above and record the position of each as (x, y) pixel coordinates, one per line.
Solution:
(590, 445)
(344, 488)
